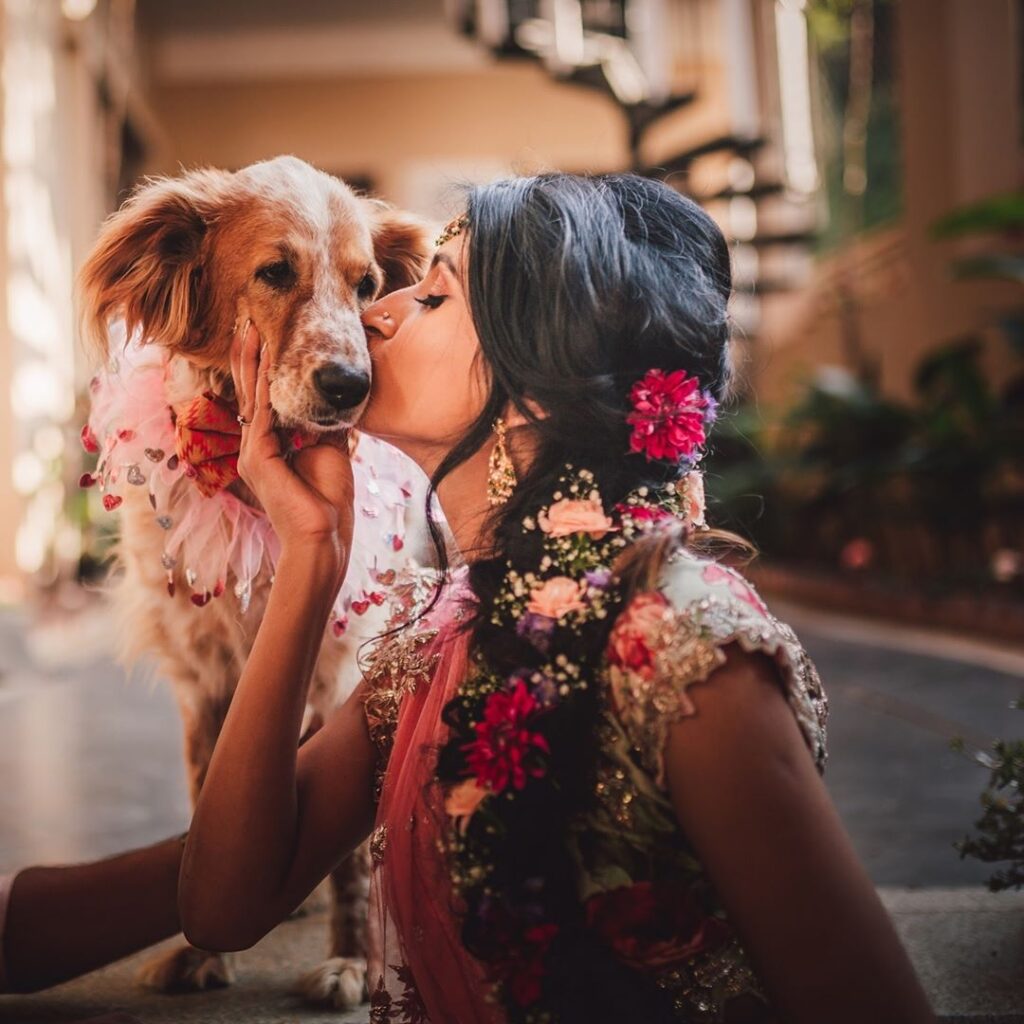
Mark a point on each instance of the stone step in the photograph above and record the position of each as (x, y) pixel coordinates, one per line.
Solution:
(967, 946)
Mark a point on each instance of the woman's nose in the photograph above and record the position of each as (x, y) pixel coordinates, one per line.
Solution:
(385, 315)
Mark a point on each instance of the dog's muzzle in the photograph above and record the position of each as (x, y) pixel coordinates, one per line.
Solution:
(341, 386)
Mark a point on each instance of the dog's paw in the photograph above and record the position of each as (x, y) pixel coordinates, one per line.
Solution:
(187, 969)
(339, 983)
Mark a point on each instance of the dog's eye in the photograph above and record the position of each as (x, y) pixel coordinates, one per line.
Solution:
(279, 275)
(367, 288)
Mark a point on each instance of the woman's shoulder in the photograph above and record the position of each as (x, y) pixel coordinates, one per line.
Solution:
(672, 636)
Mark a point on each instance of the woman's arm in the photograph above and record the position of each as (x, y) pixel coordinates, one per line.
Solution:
(64, 921)
(749, 798)
(273, 820)
(270, 821)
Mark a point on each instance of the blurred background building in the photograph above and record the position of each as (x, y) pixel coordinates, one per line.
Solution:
(828, 137)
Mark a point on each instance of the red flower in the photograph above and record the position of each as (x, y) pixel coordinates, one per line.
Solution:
(632, 640)
(669, 415)
(644, 514)
(525, 978)
(652, 925)
(504, 750)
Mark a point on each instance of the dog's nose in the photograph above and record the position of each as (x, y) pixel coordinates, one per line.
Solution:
(343, 387)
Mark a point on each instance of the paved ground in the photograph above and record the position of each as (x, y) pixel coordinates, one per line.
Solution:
(90, 764)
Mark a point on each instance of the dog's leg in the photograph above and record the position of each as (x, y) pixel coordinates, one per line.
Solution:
(186, 968)
(340, 981)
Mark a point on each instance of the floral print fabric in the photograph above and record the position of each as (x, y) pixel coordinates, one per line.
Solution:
(642, 886)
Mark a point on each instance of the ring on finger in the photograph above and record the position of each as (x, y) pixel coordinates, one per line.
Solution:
(243, 421)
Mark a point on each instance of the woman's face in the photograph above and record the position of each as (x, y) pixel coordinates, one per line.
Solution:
(429, 382)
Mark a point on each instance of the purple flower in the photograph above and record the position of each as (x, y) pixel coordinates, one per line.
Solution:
(545, 691)
(537, 629)
(599, 578)
(711, 409)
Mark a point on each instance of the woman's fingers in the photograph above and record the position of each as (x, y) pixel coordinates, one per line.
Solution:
(235, 365)
(249, 367)
(242, 371)
(262, 413)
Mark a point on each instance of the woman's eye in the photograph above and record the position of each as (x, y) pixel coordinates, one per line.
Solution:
(279, 275)
(432, 301)
(367, 288)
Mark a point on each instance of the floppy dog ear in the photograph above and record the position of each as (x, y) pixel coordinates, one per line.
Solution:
(400, 243)
(146, 266)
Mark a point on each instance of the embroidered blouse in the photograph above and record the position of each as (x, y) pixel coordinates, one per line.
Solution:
(642, 886)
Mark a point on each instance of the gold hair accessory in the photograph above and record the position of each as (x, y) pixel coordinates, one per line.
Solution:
(453, 228)
(501, 474)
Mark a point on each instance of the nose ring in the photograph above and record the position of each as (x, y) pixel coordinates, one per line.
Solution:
(385, 316)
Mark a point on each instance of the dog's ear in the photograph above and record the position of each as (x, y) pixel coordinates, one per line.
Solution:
(401, 244)
(147, 264)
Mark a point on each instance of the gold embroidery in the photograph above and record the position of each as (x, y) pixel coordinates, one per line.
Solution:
(687, 647)
(631, 833)
(378, 844)
(615, 792)
(702, 988)
(395, 668)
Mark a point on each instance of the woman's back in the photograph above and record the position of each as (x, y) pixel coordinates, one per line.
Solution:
(646, 904)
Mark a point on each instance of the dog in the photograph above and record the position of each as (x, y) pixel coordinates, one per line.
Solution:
(173, 271)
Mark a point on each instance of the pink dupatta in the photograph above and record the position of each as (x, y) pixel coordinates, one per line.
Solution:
(435, 980)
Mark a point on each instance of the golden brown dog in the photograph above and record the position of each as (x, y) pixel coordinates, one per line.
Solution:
(180, 264)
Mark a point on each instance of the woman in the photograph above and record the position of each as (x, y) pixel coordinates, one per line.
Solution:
(590, 757)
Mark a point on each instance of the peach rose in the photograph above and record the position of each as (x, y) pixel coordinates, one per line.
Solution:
(693, 497)
(463, 800)
(631, 642)
(556, 597)
(575, 516)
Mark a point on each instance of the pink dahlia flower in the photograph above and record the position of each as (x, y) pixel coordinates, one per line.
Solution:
(504, 750)
(669, 416)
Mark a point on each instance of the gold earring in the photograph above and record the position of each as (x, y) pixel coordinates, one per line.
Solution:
(501, 474)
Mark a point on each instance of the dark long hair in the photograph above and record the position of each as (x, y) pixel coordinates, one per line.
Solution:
(577, 287)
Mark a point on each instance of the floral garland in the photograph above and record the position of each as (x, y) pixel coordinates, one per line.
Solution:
(502, 744)
(502, 731)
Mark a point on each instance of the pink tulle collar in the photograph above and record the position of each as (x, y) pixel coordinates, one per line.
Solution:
(211, 543)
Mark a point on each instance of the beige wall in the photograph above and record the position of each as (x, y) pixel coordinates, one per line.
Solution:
(11, 503)
(410, 133)
(959, 74)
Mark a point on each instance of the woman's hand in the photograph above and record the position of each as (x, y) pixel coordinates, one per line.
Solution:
(309, 500)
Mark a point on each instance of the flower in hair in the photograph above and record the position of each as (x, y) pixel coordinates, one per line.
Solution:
(537, 629)
(526, 976)
(670, 417)
(505, 751)
(557, 597)
(568, 516)
(462, 802)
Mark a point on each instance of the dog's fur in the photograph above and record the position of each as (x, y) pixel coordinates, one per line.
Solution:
(181, 263)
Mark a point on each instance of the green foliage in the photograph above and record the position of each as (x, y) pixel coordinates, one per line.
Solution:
(1000, 829)
(829, 30)
(994, 265)
(996, 214)
(1001, 216)
(934, 486)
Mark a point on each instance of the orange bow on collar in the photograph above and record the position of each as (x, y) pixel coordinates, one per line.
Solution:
(209, 437)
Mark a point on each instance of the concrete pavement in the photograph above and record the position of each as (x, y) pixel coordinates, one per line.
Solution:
(91, 765)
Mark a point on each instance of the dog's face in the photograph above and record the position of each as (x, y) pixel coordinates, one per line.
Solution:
(279, 242)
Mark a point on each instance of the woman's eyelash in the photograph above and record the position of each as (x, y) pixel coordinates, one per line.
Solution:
(432, 301)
